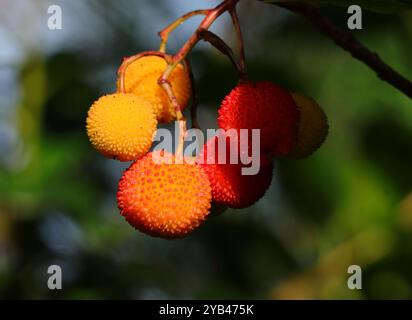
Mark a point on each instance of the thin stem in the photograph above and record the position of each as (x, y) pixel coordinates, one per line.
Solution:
(219, 44)
(164, 34)
(167, 87)
(211, 16)
(121, 86)
(348, 42)
(182, 135)
(239, 35)
(180, 56)
(195, 98)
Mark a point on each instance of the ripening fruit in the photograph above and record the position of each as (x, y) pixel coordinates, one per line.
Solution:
(141, 78)
(265, 106)
(121, 126)
(313, 126)
(166, 200)
(231, 187)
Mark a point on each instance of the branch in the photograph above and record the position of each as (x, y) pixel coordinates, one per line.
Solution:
(239, 35)
(220, 45)
(164, 34)
(195, 98)
(211, 16)
(348, 42)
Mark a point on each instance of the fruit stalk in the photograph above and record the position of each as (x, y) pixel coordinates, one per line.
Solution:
(219, 44)
(164, 34)
(194, 104)
(182, 133)
(236, 24)
(211, 16)
(129, 60)
(180, 56)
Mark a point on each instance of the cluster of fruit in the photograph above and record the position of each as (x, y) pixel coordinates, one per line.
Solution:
(170, 200)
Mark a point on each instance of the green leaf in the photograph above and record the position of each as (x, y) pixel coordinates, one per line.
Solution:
(376, 5)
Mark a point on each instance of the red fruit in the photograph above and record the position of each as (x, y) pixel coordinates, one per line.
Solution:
(230, 187)
(265, 106)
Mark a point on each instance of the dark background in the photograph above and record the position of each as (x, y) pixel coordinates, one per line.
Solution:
(350, 203)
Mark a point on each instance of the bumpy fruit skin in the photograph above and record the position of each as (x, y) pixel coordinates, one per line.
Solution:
(121, 126)
(164, 200)
(141, 78)
(265, 106)
(230, 187)
(313, 126)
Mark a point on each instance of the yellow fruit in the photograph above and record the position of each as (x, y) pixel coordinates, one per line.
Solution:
(313, 126)
(141, 78)
(121, 126)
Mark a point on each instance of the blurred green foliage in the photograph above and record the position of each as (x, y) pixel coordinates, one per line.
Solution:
(350, 203)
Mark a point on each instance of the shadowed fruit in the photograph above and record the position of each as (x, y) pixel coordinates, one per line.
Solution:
(121, 126)
(313, 126)
(164, 200)
(265, 106)
(231, 187)
(141, 78)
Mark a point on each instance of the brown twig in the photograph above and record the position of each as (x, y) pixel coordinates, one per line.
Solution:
(238, 29)
(220, 45)
(121, 72)
(210, 17)
(348, 42)
(195, 98)
(180, 56)
(164, 34)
